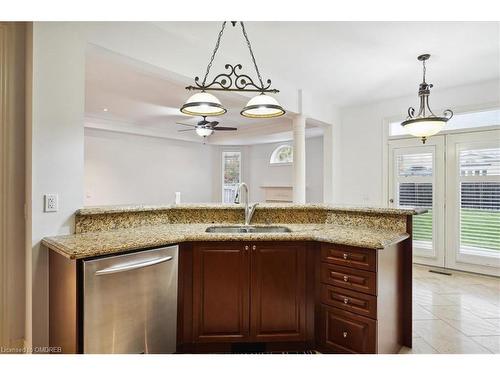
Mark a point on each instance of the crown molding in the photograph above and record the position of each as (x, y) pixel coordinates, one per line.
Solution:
(259, 133)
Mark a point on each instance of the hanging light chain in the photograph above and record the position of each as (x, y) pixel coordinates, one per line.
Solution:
(251, 53)
(214, 52)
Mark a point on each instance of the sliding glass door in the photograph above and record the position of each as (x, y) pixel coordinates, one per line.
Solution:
(417, 180)
(473, 192)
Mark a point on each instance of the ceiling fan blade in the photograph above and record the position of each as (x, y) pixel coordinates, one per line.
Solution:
(213, 124)
(186, 130)
(225, 128)
(181, 123)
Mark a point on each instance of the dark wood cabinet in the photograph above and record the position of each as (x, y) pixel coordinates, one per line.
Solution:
(244, 292)
(363, 259)
(349, 300)
(351, 278)
(269, 296)
(345, 332)
(221, 292)
(362, 303)
(278, 291)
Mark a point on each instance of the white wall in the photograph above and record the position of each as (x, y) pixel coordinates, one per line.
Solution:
(56, 155)
(262, 173)
(314, 170)
(133, 169)
(124, 168)
(362, 142)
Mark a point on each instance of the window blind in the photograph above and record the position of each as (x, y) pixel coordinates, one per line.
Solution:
(481, 162)
(415, 164)
(415, 194)
(415, 189)
(480, 200)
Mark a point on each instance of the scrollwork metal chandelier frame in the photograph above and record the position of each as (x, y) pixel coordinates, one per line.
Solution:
(232, 80)
(424, 112)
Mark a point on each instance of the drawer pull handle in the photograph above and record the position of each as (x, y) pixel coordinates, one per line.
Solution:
(346, 278)
(345, 334)
(346, 300)
(346, 256)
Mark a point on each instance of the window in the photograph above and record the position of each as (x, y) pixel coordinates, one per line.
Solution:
(414, 175)
(231, 174)
(282, 155)
(479, 199)
(458, 121)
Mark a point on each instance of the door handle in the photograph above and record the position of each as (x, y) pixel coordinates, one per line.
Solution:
(132, 266)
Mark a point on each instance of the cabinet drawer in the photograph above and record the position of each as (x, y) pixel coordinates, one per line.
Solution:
(361, 259)
(349, 278)
(349, 300)
(344, 332)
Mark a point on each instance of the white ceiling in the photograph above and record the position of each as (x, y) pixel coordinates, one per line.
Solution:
(349, 62)
(356, 62)
(144, 100)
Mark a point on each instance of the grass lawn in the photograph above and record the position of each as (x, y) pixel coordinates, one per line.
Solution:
(479, 228)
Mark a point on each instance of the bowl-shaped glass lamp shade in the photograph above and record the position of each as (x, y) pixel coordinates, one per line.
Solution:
(425, 127)
(263, 106)
(203, 104)
(204, 132)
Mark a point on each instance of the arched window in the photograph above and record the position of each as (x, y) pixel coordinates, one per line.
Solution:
(282, 155)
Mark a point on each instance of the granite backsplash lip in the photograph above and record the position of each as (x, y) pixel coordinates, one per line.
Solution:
(91, 244)
(99, 210)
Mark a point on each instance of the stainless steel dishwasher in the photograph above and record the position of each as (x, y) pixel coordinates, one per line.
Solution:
(130, 302)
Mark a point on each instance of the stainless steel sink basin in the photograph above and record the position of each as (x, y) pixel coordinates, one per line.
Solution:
(247, 229)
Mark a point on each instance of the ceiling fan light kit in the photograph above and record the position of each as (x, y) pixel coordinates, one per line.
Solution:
(204, 132)
(205, 128)
(206, 104)
(425, 123)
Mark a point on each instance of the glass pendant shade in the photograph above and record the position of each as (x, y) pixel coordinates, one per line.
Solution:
(424, 128)
(203, 104)
(263, 106)
(204, 132)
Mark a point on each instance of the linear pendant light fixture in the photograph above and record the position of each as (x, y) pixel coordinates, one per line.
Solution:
(425, 123)
(206, 104)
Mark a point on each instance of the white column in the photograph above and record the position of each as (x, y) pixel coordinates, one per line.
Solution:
(299, 159)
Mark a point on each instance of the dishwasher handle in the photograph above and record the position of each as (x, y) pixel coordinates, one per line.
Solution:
(132, 266)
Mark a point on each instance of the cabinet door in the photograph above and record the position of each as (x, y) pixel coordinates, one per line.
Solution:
(344, 332)
(220, 292)
(278, 284)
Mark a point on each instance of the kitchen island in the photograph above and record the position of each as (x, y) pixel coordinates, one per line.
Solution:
(339, 281)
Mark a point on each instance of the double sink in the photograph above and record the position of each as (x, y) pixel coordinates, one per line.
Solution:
(247, 229)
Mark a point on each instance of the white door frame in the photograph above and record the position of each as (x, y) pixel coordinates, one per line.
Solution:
(436, 146)
(455, 260)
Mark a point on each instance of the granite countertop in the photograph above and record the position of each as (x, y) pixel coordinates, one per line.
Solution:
(99, 210)
(84, 245)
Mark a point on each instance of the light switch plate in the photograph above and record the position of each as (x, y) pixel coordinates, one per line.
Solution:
(51, 203)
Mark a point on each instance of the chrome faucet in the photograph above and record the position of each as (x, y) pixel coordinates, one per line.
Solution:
(249, 210)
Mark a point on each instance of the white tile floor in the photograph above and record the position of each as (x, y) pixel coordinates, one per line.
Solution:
(456, 314)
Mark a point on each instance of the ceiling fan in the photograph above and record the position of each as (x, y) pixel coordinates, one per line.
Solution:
(205, 128)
